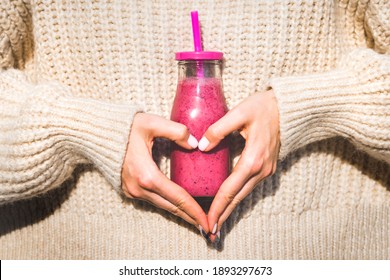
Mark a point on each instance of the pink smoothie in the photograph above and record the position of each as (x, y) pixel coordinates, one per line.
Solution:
(199, 103)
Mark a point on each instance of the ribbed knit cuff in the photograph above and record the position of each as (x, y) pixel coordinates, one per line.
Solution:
(310, 107)
(91, 130)
(350, 101)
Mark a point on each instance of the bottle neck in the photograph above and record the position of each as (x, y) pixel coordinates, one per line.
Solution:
(200, 69)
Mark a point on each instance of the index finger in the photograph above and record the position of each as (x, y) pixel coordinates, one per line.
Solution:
(228, 191)
(232, 121)
(181, 199)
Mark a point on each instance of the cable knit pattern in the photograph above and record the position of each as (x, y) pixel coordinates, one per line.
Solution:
(16, 43)
(86, 67)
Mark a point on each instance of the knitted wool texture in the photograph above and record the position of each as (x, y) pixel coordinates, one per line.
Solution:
(75, 72)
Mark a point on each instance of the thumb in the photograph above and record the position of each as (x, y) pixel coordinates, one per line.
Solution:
(216, 132)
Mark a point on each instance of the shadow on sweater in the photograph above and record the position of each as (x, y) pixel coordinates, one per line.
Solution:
(27, 212)
(24, 213)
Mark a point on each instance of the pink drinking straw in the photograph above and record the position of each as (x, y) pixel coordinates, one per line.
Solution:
(198, 54)
(197, 41)
(196, 31)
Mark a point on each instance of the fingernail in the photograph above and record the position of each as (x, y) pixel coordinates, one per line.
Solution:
(218, 238)
(192, 141)
(203, 143)
(214, 228)
(203, 233)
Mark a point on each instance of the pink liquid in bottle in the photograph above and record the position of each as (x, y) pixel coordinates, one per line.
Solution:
(199, 103)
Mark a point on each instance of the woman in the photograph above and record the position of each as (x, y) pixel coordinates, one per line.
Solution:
(94, 83)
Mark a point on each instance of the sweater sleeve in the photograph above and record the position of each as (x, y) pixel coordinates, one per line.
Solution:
(45, 131)
(351, 101)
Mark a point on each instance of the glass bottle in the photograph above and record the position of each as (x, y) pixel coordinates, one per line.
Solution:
(199, 102)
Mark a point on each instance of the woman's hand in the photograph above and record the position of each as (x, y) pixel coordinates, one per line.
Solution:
(142, 178)
(257, 119)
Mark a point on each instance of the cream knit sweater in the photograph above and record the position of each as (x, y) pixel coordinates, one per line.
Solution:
(75, 72)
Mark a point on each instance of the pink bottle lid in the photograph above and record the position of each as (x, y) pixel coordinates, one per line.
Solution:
(198, 54)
